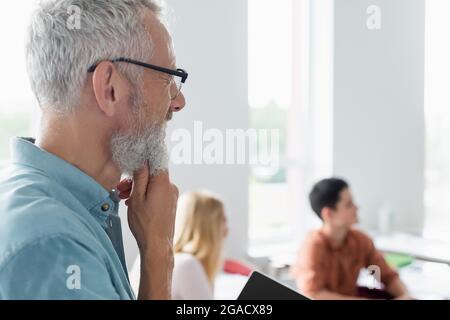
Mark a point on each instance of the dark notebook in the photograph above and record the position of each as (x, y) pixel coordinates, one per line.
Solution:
(261, 287)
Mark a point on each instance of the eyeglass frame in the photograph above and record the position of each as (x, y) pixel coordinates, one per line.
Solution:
(178, 72)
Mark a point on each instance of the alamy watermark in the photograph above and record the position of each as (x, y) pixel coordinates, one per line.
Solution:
(256, 147)
(374, 17)
(74, 20)
(374, 277)
(73, 281)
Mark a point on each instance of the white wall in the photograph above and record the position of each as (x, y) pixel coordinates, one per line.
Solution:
(210, 38)
(378, 120)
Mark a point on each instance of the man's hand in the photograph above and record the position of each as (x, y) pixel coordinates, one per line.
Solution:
(151, 216)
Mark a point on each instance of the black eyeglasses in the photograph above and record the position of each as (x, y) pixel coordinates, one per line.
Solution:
(180, 74)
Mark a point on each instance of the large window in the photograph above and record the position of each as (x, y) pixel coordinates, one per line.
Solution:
(270, 54)
(17, 105)
(437, 117)
(278, 97)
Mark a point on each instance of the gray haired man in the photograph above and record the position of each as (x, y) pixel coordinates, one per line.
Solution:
(106, 85)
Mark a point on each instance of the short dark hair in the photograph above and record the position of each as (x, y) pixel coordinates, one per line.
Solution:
(326, 194)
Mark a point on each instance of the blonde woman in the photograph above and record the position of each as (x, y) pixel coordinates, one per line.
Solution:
(199, 236)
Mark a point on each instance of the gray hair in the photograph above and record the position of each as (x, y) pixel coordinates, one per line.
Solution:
(59, 50)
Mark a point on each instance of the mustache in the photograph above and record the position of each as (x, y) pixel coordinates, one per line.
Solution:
(169, 116)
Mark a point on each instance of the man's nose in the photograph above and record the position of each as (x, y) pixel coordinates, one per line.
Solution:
(178, 104)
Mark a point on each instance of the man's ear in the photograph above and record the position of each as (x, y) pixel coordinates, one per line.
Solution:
(326, 214)
(105, 81)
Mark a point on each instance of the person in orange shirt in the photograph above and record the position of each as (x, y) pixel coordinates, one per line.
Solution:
(331, 258)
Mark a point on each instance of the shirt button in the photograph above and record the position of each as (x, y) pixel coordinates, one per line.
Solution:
(105, 207)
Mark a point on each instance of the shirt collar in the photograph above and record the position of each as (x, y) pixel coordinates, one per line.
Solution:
(89, 192)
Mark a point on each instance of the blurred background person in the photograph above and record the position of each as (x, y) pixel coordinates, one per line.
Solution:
(199, 240)
(331, 258)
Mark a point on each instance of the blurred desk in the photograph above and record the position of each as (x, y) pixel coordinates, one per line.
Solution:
(428, 277)
(284, 254)
(415, 246)
(427, 280)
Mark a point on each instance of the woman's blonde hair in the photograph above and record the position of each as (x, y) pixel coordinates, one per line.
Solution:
(200, 220)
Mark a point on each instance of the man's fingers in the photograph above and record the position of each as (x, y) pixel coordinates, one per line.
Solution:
(162, 179)
(175, 191)
(140, 181)
(161, 176)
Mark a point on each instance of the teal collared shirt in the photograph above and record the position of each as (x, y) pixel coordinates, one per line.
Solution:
(59, 237)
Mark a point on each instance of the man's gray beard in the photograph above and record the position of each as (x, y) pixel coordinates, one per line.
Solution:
(142, 143)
